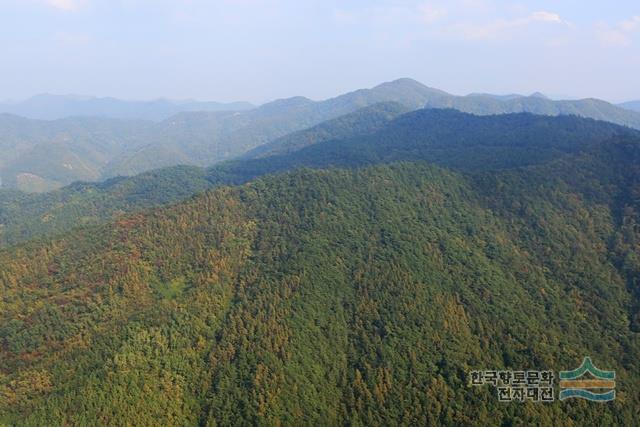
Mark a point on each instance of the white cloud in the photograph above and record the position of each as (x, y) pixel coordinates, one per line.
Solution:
(391, 15)
(66, 5)
(614, 38)
(619, 34)
(471, 20)
(630, 24)
(430, 12)
(498, 27)
(543, 16)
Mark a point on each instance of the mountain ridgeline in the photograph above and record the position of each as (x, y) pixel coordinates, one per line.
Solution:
(38, 155)
(378, 134)
(41, 155)
(631, 105)
(56, 107)
(352, 272)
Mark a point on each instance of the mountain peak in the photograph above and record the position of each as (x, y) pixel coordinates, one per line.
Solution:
(406, 83)
(538, 95)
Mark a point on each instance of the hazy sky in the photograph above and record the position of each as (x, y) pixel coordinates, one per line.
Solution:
(258, 50)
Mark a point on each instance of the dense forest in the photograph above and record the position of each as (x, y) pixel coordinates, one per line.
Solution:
(334, 297)
(378, 134)
(232, 214)
(92, 141)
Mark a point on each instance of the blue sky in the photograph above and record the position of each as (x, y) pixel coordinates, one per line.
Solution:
(259, 50)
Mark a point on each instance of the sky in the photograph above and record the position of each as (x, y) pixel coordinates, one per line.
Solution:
(260, 50)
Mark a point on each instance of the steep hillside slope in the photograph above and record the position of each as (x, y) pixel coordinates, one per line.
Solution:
(24, 216)
(446, 137)
(364, 121)
(64, 151)
(331, 297)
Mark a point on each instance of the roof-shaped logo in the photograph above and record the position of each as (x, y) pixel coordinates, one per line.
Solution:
(572, 383)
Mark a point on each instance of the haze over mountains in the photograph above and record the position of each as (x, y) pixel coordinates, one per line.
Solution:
(353, 250)
(382, 133)
(361, 270)
(631, 105)
(341, 262)
(41, 155)
(53, 107)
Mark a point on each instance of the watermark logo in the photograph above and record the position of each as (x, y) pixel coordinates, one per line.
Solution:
(517, 386)
(574, 385)
(538, 386)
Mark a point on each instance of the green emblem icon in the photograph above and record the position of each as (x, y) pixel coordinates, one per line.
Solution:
(573, 384)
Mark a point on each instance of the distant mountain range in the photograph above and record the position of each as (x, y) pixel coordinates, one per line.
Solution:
(372, 135)
(509, 97)
(537, 104)
(363, 121)
(40, 155)
(94, 149)
(631, 105)
(53, 107)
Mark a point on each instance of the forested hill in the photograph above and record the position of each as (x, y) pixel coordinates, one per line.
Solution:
(36, 155)
(361, 122)
(592, 108)
(334, 297)
(446, 137)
